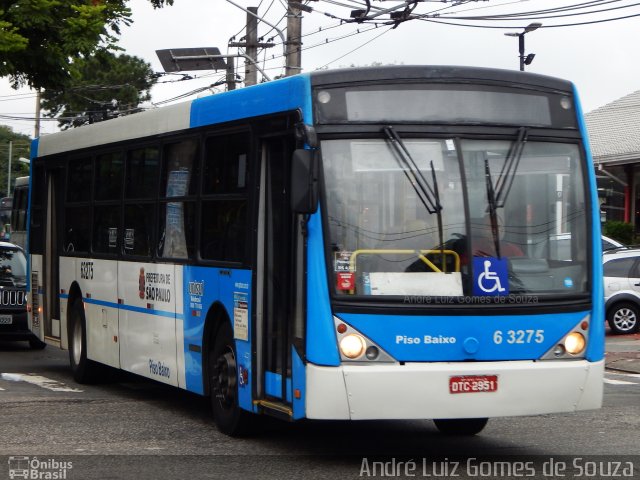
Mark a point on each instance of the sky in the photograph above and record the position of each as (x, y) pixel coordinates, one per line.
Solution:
(600, 58)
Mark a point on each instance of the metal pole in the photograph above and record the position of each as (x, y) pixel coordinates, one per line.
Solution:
(231, 73)
(250, 72)
(9, 170)
(37, 129)
(521, 47)
(294, 31)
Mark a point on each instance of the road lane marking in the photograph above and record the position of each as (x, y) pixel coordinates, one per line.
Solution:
(632, 375)
(611, 381)
(42, 382)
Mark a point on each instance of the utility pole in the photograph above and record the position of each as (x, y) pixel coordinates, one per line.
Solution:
(294, 35)
(251, 46)
(9, 170)
(231, 73)
(250, 72)
(37, 129)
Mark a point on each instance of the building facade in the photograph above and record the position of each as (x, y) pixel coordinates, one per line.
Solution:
(614, 133)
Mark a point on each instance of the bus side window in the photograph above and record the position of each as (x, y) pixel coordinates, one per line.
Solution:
(179, 179)
(224, 206)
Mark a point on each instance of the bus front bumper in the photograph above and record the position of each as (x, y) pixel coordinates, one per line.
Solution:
(421, 390)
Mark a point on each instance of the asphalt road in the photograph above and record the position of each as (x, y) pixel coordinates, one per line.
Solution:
(131, 428)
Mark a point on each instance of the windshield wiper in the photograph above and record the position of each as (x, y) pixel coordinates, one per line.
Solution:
(510, 167)
(496, 195)
(493, 206)
(428, 195)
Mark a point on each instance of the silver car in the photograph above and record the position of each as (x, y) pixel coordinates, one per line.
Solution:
(622, 289)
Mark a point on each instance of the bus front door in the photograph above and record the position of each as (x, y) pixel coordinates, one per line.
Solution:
(279, 318)
(51, 261)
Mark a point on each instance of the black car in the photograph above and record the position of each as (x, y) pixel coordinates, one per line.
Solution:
(13, 296)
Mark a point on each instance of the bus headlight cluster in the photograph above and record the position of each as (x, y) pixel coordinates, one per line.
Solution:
(572, 345)
(354, 346)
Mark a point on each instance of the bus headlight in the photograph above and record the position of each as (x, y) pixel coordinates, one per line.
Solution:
(352, 346)
(574, 343)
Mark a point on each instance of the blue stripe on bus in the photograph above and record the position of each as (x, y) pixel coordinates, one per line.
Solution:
(291, 93)
(595, 349)
(130, 308)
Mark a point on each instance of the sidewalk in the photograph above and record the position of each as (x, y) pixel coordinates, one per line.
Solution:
(623, 353)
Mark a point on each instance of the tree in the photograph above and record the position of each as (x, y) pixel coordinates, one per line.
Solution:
(102, 86)
(38, 37)
(20, 147)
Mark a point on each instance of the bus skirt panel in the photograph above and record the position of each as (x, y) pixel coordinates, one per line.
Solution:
(446, 390)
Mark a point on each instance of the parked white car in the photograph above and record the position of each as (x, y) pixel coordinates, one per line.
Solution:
(622, 289)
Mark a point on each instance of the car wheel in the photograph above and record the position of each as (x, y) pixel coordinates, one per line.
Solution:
(223, 385)
(461, 426)
(624, 317)
(36, 344)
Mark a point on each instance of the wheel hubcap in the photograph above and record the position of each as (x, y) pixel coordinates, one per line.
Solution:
(77, 342)
(224, 378)
(625, 319)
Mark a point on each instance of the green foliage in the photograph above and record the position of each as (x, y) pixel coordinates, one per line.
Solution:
(621, 231)
(38, 37)
(21, 146)
(102, 86)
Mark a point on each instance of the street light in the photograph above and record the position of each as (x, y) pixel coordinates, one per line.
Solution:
(529, 58)
(21, 159)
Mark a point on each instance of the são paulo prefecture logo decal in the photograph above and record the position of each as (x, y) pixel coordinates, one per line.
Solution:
(141, 283)
(490, 276)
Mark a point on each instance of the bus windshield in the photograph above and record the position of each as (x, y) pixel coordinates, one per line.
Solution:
(504, 200)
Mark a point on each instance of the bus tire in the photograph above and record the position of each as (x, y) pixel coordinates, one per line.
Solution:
(83, 369)
(460, 426)
(223, 385)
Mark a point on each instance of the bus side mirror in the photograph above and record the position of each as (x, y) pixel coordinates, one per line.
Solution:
(304, 181)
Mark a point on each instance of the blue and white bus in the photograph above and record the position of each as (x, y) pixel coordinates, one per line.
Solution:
(370, 243)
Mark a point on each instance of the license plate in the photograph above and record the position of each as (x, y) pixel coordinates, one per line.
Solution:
(6, 319)
(473, 384)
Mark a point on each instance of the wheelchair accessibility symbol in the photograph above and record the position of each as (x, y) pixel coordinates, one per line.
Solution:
(490, 276)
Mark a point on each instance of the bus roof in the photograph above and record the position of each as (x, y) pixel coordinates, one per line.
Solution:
(286, 94)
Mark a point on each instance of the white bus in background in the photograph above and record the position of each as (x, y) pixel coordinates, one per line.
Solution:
(19, 212)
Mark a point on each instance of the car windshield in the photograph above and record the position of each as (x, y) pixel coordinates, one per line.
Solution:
(422, 216)
(13, 266)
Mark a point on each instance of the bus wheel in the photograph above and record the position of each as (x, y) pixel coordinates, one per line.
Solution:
(223, 385)
(84, 370)
(461, 426)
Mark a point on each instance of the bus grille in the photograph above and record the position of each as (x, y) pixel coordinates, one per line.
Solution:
(12, 298)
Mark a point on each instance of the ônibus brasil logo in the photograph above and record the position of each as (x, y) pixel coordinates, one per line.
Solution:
(36, 469)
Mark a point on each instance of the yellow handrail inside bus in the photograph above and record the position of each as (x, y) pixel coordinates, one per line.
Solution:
(419, 253)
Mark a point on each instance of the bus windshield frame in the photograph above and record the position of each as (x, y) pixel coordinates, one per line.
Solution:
(385, 249)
